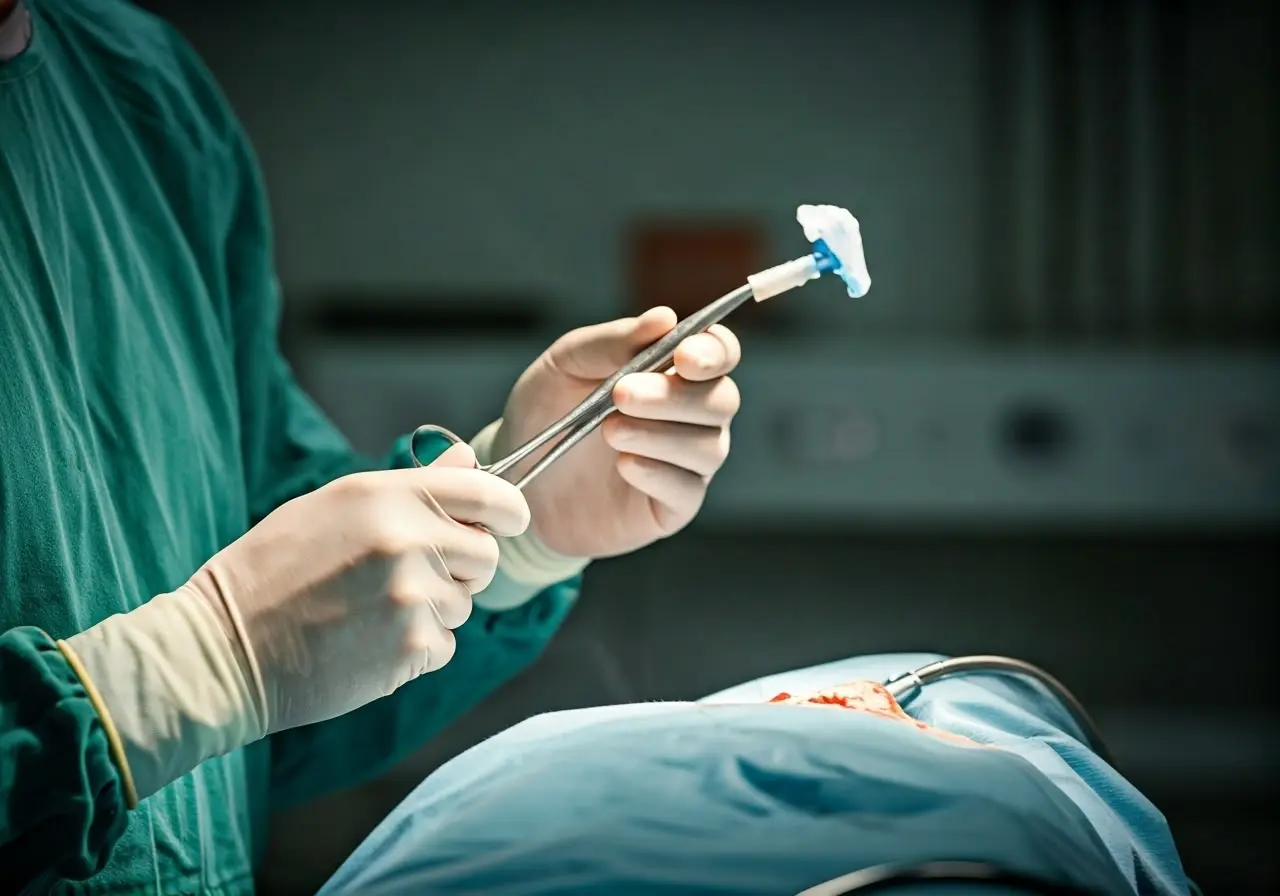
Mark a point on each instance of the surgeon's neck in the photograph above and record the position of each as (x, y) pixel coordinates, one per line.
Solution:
(14, 32)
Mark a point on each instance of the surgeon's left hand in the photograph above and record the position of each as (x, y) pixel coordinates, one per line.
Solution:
(644, 473)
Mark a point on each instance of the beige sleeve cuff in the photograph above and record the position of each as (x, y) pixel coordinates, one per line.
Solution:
(168, 687)
(526, 566)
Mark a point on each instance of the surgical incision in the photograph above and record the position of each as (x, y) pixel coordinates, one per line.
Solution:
(869, 697)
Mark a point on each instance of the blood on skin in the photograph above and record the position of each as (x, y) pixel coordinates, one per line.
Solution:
(869, 697)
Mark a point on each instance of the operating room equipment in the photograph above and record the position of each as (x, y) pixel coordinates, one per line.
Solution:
(837, 248)
(907, 686)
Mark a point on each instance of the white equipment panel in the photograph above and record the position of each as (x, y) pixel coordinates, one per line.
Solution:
(832, 436)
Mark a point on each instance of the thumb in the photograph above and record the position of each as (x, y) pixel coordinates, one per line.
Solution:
(460, 454)
(595, 352)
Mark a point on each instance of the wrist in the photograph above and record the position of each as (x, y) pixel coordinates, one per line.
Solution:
(526, 566)
(169, 687)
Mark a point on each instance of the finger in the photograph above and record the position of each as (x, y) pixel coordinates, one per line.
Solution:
(698, 449)
(657, 396)
(431, 642)
(422, 578)
(426, 599)
(451, 603)
(705, 356)
(441, 652)
(470, 556)
(459, 454)
(675, 494)
(475, 497)
(595, 352)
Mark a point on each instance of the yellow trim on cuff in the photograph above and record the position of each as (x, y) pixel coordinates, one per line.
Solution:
(104, 715)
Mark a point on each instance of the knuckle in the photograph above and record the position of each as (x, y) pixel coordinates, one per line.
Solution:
(487, 496)
(359, 485)
(420, 640)
(405, 595)
(388, 543)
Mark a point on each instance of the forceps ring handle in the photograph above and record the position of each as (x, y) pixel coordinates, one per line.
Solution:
(497, 469)
(454, 439)
(431, 428)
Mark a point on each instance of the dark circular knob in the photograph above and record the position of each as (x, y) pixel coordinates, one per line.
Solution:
(1036, 433)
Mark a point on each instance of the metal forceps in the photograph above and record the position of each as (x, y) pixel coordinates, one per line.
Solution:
(592, 410)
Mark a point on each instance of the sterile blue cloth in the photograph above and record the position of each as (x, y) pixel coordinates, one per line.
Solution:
(733, 796)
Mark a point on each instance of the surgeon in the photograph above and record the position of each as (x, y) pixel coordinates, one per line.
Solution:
(210, 607)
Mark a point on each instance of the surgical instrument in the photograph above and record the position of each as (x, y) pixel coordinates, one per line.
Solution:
(837, 247)
(905, 687)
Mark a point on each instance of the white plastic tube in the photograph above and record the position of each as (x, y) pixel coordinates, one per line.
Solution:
(783, 278)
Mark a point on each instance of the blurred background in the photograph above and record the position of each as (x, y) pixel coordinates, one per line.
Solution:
(1051, 430)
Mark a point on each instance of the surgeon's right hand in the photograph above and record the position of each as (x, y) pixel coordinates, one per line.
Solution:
(335, 599)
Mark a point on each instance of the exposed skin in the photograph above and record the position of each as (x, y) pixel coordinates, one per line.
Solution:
(870, 697)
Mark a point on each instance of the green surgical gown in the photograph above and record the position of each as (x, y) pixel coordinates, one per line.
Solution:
(146, 420)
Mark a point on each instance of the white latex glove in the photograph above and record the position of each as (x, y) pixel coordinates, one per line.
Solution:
(642, 476)
(337, 598)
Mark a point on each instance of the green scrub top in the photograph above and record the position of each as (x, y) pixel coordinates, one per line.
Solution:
(146, 420)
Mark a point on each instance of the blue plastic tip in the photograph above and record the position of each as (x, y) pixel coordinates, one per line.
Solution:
(826, 259)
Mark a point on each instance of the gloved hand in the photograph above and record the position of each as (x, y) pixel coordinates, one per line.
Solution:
(335, 599)
(640, 477)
